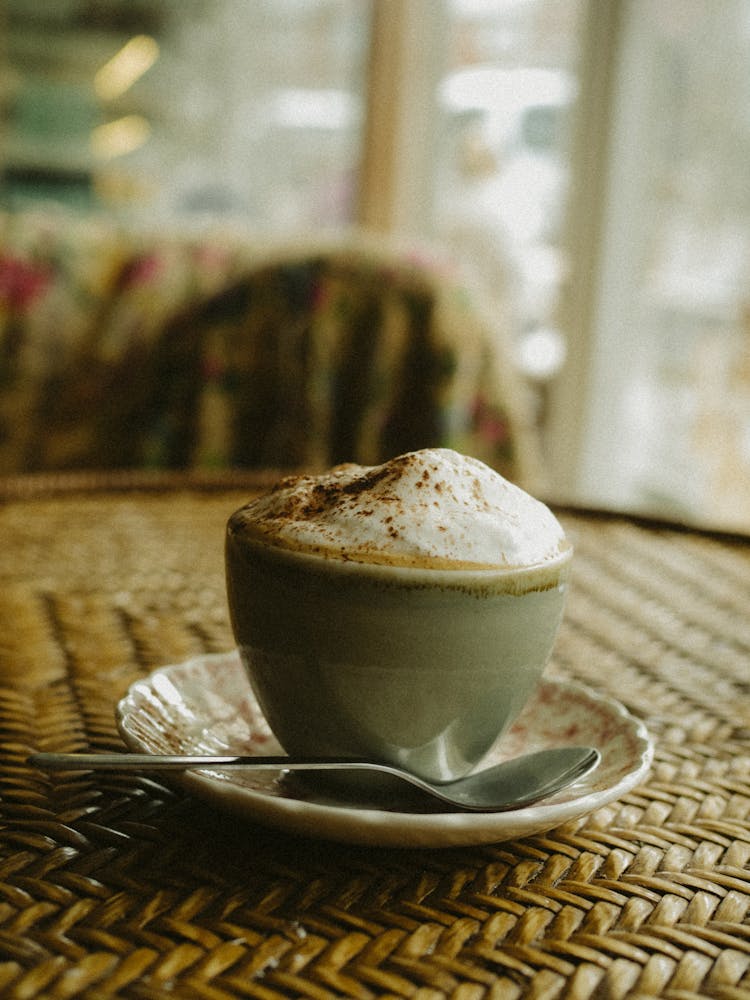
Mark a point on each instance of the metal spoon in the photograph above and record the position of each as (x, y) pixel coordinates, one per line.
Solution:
(509, 785)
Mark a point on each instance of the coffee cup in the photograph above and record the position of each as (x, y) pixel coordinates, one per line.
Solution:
(421, 662)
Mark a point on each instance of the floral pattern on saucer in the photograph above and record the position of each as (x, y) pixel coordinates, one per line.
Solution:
(205, 705)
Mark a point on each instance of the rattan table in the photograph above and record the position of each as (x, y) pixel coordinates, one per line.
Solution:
(124, 886)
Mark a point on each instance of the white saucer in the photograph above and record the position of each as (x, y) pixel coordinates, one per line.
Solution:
(205, 705)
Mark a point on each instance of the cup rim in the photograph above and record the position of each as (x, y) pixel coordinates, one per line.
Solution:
(511, 579)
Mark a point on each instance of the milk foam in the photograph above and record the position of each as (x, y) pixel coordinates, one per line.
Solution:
(431, 508)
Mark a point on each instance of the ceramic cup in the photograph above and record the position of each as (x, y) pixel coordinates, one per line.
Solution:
(422, 668)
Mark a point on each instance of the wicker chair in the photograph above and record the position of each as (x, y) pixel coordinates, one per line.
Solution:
(306, 356)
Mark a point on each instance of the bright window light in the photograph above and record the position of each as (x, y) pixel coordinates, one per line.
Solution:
(119, 137)
(125, 67)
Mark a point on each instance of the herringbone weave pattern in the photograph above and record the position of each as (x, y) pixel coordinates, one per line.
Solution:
(117, 886)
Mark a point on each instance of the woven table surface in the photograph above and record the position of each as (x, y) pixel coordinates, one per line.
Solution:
(117, 885)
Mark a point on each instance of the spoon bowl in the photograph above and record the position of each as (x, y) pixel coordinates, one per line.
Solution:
(511, 784)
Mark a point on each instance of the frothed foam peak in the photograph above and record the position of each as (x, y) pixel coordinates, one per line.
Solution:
(430, 508)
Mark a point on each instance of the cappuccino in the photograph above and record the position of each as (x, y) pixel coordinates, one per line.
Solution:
(431, 509)
(403, 612)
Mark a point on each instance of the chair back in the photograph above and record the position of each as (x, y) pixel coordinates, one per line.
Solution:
(306, 356)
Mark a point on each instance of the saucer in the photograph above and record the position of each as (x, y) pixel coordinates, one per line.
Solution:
(205, 705)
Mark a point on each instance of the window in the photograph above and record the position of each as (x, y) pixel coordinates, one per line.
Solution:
(506, 101)
(186, 109)
(654, 413)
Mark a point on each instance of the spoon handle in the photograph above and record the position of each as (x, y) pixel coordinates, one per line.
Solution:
(182, 762)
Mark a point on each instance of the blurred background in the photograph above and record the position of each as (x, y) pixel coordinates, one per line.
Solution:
(587, 160)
